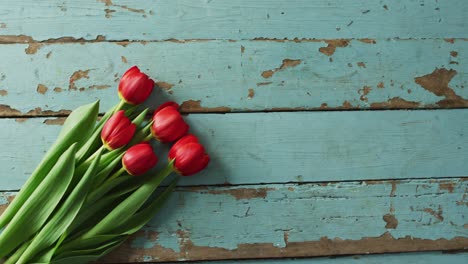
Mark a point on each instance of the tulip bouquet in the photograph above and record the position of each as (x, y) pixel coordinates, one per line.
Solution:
(94, 187)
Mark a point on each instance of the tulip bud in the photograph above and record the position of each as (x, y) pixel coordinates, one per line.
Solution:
(168, 124)
(135, 87)
(117, 131)
(189, 155)
(138, 159)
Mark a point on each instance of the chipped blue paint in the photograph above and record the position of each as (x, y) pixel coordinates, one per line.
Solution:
(220, 73)
(285, 147)
(414, 258)
(309, 212)
(241, 19)
(225, 217)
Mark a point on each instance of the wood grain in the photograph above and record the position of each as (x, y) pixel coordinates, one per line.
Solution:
(290, 220)
(223, 76)
(415, 258)
(227, 19)
(287, 147)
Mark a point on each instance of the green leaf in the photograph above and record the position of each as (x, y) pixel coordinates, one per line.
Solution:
(13, 258)
(142, 217)
(87, 256)
(86, 244)
(91, 214)
(40, 205)
(76, 128)
(140, 118)
(60, 220)
(130, 205)
(104, 173)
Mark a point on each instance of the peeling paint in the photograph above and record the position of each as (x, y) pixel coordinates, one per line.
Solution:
(6, 110)
(263, 83)
(194, 106)
(3, 92)
(394, 103)
(287, 63)
(99, 87)
(55, 121)
(450, 40)
(251, 93)
(449, 186)
(21, 119)
(453, 53)
(332, 45)
(42, 89)
(381, 85)
(437, 215)
(394, 187)
(77, 75)
(242, 49)
(361, 64)
(3, 25)
(164, 85)
(385, 243)
(437, 83)
(364, 92)
(57, 89)
(391, 221)
(368, 41)
(244, 193)
(124, 60)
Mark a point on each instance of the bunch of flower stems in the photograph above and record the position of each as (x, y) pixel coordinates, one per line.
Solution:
(95, 187)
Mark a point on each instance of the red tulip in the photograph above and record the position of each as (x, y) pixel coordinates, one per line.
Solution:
(135, 87)
(117, 131)
(138, 159)
(168, 124)
(189, 155)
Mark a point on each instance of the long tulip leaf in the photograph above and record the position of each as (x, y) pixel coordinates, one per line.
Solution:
(60, 221)
(142, 217)
(86, 243)
(76, 128)
(88, 255)
(130, 205)
(40, 205)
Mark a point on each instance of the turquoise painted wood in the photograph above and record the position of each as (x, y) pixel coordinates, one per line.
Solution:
(303, 183)
(227, 19)
(290, 220)
(416, 258)
(289, 147)
(220, 76)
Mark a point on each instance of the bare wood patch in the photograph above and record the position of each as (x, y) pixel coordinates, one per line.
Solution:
(395, 103)
(251, 93)
(42, 89)
(194, 106)
(385, 243)
(437, 83)
(55, 121)
(287, 63)
(332, 45)
(244, 193)
(391, 221)
(3, 92)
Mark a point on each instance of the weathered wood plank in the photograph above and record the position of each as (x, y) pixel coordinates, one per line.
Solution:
(285, 147)
(414, 258)
(221, 76)
(289, 220)
(227, 19)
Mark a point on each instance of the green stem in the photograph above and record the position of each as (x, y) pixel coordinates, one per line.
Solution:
(116, 174)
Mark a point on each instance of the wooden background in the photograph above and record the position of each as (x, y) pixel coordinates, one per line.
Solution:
(279, 92)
